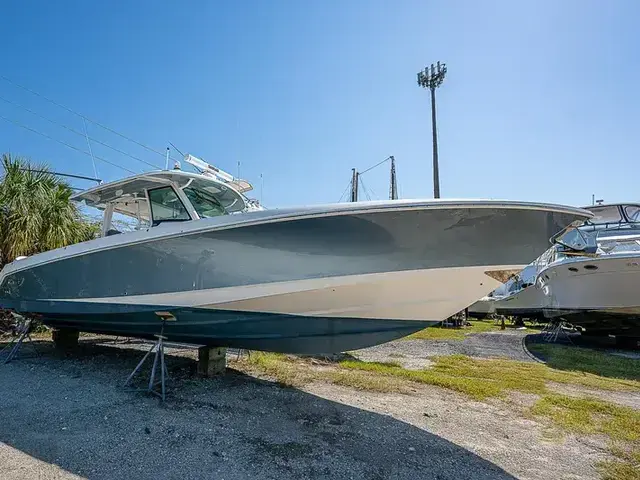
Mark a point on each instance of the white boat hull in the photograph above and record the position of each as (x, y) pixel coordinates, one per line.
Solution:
(528, 303)
(600, 293)
(429, 295)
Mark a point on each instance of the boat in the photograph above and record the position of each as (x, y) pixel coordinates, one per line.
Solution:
(598, 290)
(318, 279)
(522, 300)
(482, 308)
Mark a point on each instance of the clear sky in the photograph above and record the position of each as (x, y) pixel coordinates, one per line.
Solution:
(540, 103)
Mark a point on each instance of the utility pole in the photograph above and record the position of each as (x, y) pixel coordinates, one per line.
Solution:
(261, 187)
(355, 179)
(393, 187)
(431, 78)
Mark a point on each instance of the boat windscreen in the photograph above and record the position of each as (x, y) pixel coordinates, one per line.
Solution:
(605, 214)
(577, 240)
(632, 212)
(227, 198)
(205, 204)
(166, 206)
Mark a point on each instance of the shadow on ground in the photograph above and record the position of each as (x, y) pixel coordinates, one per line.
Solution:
(72, 411)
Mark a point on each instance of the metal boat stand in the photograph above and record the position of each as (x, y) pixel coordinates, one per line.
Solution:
(158, 347)
(23, 329)
(554, 330)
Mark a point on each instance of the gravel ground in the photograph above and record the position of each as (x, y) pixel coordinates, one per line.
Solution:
(416, 353)
(69, 417)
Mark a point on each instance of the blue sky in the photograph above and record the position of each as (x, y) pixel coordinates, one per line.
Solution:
(541, 100)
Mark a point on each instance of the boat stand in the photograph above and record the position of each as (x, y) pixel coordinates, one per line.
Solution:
(23, 330)
(158, 347)
(554, 330)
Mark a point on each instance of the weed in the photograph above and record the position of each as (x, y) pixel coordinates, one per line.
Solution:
(588, 360)
(440, 333)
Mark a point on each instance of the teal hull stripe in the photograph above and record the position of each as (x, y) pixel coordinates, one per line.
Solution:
(251, 330)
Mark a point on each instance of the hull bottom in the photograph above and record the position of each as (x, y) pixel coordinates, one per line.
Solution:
(523, 312)
(601, 322)
(247, 330)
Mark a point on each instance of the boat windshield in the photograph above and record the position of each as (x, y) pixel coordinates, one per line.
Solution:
(205, 204)
(605, 215)
(632, 212)
(577, 240)
(166, 206)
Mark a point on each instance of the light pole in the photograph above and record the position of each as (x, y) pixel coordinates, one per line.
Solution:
(431, 78)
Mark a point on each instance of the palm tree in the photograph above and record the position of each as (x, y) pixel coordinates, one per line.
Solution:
(35, 211)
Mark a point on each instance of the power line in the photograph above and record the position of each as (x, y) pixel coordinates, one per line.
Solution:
(81, 115)
(345, 191)
(176, 149)
(65, 144)
(376, 165)
(364, 188)
(72, 130)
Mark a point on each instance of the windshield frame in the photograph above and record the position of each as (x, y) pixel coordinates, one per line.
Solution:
(206, 196)
(180, 196)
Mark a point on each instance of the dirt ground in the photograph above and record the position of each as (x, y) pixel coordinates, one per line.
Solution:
(70, 417)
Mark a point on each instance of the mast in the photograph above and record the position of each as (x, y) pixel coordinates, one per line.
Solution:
(354, 184)
(393, 187)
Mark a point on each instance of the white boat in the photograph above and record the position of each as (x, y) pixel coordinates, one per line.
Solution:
(319, 279)
(601, 291)
(482, 308)
(521, 299)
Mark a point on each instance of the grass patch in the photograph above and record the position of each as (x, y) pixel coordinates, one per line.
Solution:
(593, 416)
(482, 378)
(444, 333)
(431, 376)
(477, 378)
(363, 381)
(590, 416)
(619, 470)
(293, 372)
(285, 370)
(625, 467)
(588, 360)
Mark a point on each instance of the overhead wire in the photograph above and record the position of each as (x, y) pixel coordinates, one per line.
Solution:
(65, 144)
(176, 149)
(70, 110)
(364, 188)
(345, 191)
(78, 133)
(376, 165)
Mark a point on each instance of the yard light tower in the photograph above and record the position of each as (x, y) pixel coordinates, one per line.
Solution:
(431, 78)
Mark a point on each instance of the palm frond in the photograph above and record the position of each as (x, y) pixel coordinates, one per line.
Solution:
(36, 213)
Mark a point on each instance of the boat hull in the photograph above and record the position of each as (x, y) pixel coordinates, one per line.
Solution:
(527, 303)
(482, 308)
(357, 275)
(601, 294)
(238, 329)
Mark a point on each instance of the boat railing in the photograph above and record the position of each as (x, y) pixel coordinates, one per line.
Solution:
(620, 225)
(623, 245)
